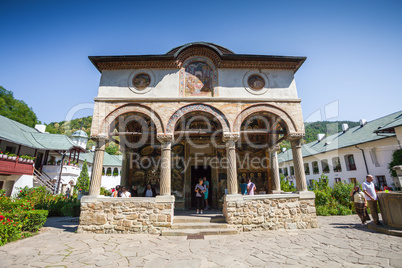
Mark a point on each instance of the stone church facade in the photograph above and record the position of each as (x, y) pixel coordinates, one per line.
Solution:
(199, 110)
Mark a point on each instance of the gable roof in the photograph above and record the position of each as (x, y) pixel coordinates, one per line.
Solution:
(353, 136)
(108, 160)
(18, 133)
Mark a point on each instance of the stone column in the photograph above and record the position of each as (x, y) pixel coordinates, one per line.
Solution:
(301, 183)
(96, 176)
(273, 162)
(230, 140)
(166, 165)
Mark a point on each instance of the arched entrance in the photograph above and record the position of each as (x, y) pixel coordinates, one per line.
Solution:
(197, 152)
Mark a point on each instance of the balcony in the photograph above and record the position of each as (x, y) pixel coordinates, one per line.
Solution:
(15, 166)
(53, 171)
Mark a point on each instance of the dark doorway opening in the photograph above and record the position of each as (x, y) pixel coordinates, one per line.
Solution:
(196, 173)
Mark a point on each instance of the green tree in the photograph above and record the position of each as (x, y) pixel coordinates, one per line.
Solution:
(15, 109)
(83, 180)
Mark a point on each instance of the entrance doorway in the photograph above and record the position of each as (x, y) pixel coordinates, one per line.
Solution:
(196, 173)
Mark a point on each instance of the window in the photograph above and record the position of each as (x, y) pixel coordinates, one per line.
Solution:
(315, 168)
(325, 166)
(292, 170)
(115, 172)
(336, 163)
(10, 149)
(310, 182)
(353, 180)
(337, 180)
(350, 162)
(109, 172)
(103, 171)
(280, 171)
(381, 181)
(306, 169)
(285, 171)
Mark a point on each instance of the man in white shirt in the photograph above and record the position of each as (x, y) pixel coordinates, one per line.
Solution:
(371, 197)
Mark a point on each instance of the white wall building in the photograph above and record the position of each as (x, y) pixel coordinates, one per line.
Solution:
(350, 155)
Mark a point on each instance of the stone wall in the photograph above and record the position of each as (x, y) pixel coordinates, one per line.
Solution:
(271, 212)
(107, 215)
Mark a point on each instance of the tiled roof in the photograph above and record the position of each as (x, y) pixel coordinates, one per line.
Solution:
(353, 136)
(15, 132)
(108, 160)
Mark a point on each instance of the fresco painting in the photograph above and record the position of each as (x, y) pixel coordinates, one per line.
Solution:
(199, 79)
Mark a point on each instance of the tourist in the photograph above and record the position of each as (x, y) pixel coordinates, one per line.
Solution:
(371, 197)
(360, 204)
(250, 187)
(68, 193)
(199, 195)
(133, 191)
(125, 193)
(206, 185)
(243, 187)
(149, 191)
(116, 193)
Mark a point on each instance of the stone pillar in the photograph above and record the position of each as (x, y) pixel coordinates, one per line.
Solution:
(273, 161)
(301, 183)
(166, 165)
(230, 140)
(96, 176)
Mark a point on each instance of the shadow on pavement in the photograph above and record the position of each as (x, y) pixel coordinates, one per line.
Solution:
(64, 224)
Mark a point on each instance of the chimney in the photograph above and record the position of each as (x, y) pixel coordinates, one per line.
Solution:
(283, 150)
(363, 122)
(345, 127)
(320, 136)
(93, 149)
(40, 128)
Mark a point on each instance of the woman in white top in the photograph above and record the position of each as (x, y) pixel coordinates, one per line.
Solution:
(125, 193)
(360, 204)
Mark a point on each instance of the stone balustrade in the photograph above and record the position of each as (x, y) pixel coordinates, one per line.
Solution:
(106, 215)
(271, 212)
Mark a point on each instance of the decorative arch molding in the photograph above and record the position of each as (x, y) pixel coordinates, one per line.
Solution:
(197, 107)
(199, 51)
(129, 108)
(290, 125)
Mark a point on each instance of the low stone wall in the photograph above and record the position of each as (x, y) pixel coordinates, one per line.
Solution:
(271, 212)
(105, 215)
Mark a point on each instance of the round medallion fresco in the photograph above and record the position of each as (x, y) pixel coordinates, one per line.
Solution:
(141, 81)
(256, 82)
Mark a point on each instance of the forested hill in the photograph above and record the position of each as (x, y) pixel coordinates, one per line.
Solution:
(324, 127)
(69, 127)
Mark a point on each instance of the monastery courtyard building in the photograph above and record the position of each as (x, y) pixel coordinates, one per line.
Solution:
(199, 110)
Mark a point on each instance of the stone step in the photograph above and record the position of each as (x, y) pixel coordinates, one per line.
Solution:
(198, 218)
(199, 225)
(186, 232)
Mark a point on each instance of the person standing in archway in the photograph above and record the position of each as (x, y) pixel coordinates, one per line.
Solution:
(199, 195)
(206, 184)
(251, 187)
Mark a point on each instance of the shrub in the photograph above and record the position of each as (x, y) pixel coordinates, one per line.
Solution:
(285, 185)
(396, 160)
(10, 230)
(71, 209)
(83, 181)
(105, 192)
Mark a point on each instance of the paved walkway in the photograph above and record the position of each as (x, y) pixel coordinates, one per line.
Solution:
(337, 243)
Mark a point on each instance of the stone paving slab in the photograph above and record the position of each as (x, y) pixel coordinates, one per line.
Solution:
(338, 242)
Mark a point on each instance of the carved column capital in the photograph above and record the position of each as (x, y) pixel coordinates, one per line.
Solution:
(227, 136)
(163, 138)
(100, 137)
(295, 136)
(273, 149)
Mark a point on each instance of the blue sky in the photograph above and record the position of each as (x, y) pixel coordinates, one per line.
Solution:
(353, 48)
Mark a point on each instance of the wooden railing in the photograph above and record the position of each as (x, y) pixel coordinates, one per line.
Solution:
(43, 179)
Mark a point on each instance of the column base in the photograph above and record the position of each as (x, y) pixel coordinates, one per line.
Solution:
(164, 199)
(277, 192)
(306, 194)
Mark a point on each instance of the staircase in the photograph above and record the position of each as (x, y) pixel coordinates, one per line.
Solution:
(43, 179)
(199, 224)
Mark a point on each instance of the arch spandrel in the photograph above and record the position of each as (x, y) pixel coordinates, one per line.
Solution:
(200, 107)
(291, 125)
(104, 127)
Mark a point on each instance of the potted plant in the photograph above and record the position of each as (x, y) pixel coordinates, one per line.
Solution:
(2, 155)
(12, 157)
